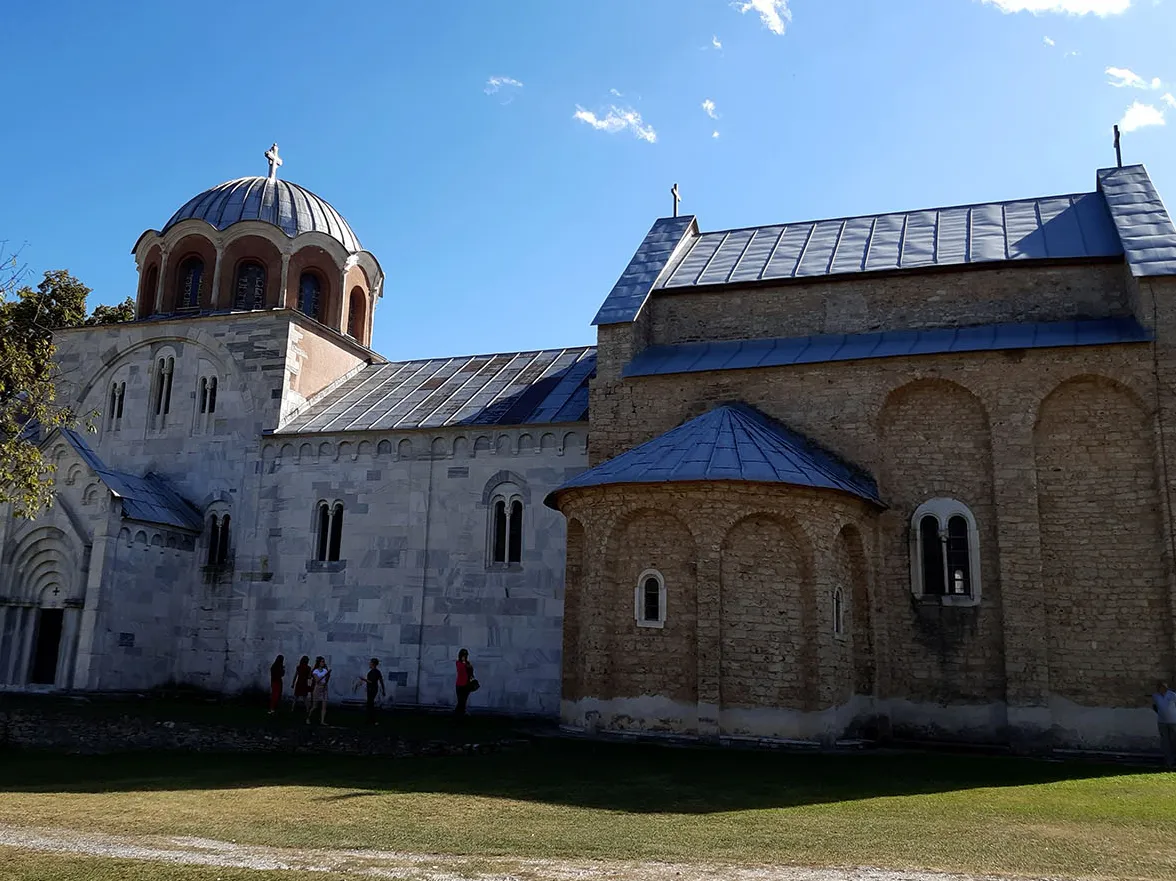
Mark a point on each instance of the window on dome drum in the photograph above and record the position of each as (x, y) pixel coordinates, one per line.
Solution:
(191, 280)
(356, 315)
(649, 602)
(218, 540)
(506, 531)
(330, 532)
(945, 553)
(150, 284)
(249, 288)
(310, 293)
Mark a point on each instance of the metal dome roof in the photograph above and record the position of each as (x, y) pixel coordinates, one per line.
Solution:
(291, 208)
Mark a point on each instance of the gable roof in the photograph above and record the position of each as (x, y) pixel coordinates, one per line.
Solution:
(149, 499)
(509, 388)
(1124, 217)
(730, 442)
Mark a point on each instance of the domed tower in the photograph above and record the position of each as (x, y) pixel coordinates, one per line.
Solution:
(259, 243)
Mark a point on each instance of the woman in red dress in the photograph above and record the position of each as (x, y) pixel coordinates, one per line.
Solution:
(302, 683)
(466, 682)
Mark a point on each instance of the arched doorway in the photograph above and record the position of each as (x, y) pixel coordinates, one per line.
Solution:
(43, 665)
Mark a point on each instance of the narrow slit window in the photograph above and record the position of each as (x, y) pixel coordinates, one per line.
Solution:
(958, 564)
(515, 531)
(651, 600)
(499, 538)
(336, 533)
(122, 391)
(213, 539)
(212, 395)
(203, 394)
(932, 553)
(169, 371)
(324, 531)
(838, 612)
(222, 547)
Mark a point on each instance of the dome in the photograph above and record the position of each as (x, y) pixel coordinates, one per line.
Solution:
(289, 207)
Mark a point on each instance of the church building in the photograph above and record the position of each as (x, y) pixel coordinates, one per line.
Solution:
(896, 475)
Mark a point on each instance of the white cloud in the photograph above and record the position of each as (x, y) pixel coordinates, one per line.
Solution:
(1140, 116)
(618, 119)
(716, 42)
(615, 93)
(1121, 78)
(495, 84)
(1049, 41)
(1169, 99)
(1069, 7)
(709, 107)
(775, 14)
(714, 134)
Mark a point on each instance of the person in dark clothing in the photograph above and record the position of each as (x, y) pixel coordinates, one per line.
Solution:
(375, 685)
(277, 675)
(302, 684)
(466, 682)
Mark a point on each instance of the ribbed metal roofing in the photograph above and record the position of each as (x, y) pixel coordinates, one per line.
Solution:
(291, 208)
(148, 499)
(511, 388)
(731, 442)
(781, 351)
(1143, 224)
(1058, 227)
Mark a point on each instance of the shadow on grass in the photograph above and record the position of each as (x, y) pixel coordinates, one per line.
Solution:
(635, 778)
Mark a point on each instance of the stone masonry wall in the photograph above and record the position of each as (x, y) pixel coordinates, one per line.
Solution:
(945, 298)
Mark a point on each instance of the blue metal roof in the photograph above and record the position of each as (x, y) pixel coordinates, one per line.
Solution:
(1123, 217)
(731, 442)
(1058, 227)
(624, 301)
(511, 388)
(149, 499)
(291, 208)
(1143, 224)
(743, 354)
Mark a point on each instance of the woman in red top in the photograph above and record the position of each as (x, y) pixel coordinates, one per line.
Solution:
(465, 680)
(302, 683)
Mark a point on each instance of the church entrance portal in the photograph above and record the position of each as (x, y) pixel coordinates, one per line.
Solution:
(48, 641)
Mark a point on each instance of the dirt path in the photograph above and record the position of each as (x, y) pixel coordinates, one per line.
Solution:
(421, 867)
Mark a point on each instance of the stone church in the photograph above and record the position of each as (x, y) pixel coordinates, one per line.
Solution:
(898, 474)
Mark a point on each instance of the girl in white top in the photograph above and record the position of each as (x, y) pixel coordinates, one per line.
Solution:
(320, 675)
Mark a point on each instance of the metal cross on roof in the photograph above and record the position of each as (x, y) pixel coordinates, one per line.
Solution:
(677, 198)
(274, 161)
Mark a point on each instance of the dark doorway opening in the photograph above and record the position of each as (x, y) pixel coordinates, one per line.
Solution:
(48, 642)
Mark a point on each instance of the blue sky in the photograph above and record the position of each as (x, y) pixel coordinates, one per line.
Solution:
(504, 160)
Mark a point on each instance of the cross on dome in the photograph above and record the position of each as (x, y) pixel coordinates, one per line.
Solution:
(274, 161)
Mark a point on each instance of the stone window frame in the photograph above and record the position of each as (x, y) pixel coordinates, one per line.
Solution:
(164, 362)
(116, 402)
(204, 415)
(506, 489)
(838, 603)
(943, 510)
(639, 600)
(327, 546)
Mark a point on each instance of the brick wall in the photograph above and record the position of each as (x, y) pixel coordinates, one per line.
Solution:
(944, 298)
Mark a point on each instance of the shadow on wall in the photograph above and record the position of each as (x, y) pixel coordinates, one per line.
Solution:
(632, 778)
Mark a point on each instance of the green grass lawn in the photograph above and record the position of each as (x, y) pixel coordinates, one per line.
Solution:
(622, 801)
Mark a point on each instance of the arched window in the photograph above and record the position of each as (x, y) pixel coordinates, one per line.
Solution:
(219, 530)
(838, 612)
(329, 540)
(310, 295)
(147, 295)
(114, 414)
(945, 553)
(191, 278)
(164, 373)
(356, 315)
(249, 287)
(649, 599)
(506, 527)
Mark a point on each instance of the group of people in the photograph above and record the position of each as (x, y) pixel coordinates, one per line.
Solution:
(310, 685)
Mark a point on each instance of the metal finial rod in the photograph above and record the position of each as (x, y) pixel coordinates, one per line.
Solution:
(1118, 149)
(274, 161)
(677, 198)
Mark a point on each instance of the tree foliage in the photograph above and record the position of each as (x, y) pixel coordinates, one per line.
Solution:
(29, 375)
